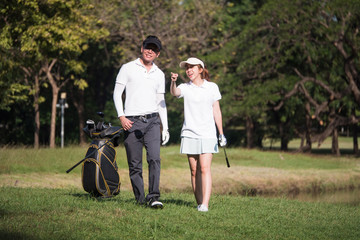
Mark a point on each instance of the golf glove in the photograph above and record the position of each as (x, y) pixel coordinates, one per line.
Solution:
(222, 140)
(165, 136)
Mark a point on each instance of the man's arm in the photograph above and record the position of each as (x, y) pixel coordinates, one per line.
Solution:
(118, 91)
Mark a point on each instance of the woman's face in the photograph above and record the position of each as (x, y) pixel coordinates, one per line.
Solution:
(193, 71)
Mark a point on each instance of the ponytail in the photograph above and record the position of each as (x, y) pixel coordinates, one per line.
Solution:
(205, 73)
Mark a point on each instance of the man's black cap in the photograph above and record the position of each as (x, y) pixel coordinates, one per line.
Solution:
(152, 40)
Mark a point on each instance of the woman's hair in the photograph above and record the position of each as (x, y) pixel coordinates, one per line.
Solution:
(204, 73)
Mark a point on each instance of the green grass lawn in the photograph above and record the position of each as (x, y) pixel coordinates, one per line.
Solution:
(38, 200)
(72, 214)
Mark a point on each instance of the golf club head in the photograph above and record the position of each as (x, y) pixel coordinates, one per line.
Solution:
(90, 123)
(101, 114)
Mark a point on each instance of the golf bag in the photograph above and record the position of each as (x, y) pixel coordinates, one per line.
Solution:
(99, 173)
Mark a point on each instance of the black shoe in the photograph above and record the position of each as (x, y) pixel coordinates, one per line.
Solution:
(141, 203)
(154, 203)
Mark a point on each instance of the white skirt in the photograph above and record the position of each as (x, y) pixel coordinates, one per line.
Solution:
(198, 145)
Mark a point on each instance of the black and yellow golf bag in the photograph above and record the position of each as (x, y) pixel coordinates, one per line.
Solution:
(99, 173)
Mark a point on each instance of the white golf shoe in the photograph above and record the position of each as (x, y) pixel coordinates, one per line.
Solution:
(202, 208)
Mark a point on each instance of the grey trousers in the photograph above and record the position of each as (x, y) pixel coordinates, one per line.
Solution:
(144, 134)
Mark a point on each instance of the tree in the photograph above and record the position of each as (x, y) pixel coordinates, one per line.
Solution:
(305, 50)
(16, 18)
(224, 62)
(52, 35)
(184, 27)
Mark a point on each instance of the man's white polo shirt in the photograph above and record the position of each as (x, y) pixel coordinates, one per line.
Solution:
(198, 109)
(141, 87)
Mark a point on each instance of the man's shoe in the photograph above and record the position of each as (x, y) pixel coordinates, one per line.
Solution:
(154, 203)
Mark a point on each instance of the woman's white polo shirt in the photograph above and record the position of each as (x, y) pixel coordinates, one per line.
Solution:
(198, 109)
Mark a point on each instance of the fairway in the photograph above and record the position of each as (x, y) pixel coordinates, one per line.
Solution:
(72, 214)
(40, 201)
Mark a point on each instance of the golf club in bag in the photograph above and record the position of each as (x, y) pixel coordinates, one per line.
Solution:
(99, 173)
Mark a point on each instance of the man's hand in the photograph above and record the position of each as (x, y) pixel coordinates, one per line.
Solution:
(165, 136)
(125, 123)
(222, 140)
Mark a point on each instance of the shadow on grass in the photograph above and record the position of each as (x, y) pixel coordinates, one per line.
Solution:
(88, 196)
(14, 235)
(178, 202)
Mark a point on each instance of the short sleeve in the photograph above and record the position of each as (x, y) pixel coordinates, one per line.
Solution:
(216, 93)
(182, 87)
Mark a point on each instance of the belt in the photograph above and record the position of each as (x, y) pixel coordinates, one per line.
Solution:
(146, 116)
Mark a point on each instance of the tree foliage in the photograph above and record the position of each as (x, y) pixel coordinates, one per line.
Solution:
(285, 68)
(301, 56)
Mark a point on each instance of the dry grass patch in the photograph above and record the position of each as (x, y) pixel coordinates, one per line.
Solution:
(235, 180)
(258, 180)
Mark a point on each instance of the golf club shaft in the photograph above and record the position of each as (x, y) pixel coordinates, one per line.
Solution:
(227, 160)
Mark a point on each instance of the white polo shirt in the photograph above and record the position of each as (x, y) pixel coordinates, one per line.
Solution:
(198, 109)
(141, 87)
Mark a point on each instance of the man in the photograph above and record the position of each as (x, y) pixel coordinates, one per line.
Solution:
(144, 85)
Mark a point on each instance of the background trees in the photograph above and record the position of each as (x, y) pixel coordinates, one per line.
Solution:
(304, 53)
(286, 68)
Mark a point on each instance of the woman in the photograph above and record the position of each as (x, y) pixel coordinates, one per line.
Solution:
(198, 134)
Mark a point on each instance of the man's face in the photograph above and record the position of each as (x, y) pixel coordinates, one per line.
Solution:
(150, 52)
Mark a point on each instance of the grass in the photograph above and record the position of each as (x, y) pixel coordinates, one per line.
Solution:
(250, 171)
(345, 145)
(38, 200)
(72, 214)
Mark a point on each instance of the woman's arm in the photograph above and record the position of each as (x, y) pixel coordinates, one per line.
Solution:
(175, 91)
(218, 117)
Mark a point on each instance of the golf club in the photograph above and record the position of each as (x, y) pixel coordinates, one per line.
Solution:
(91, 153)
(227, 160)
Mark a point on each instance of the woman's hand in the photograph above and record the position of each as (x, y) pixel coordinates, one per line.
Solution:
(174, 76)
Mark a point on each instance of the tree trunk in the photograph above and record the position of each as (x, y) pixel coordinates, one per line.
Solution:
(55, 92)
(249, 132)
(29, 74)
(79, 105)
(308, 145)
(283, 137)
(37, 112)
(308, 141)
(302, 141)
(335, 143)
(355, 139)
(355, 135)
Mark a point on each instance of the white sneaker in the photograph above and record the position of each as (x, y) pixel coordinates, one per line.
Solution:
(202, 208)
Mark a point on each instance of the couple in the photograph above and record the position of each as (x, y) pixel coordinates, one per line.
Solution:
(145, 110)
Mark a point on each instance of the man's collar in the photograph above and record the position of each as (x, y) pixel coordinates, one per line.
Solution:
(138, 62)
